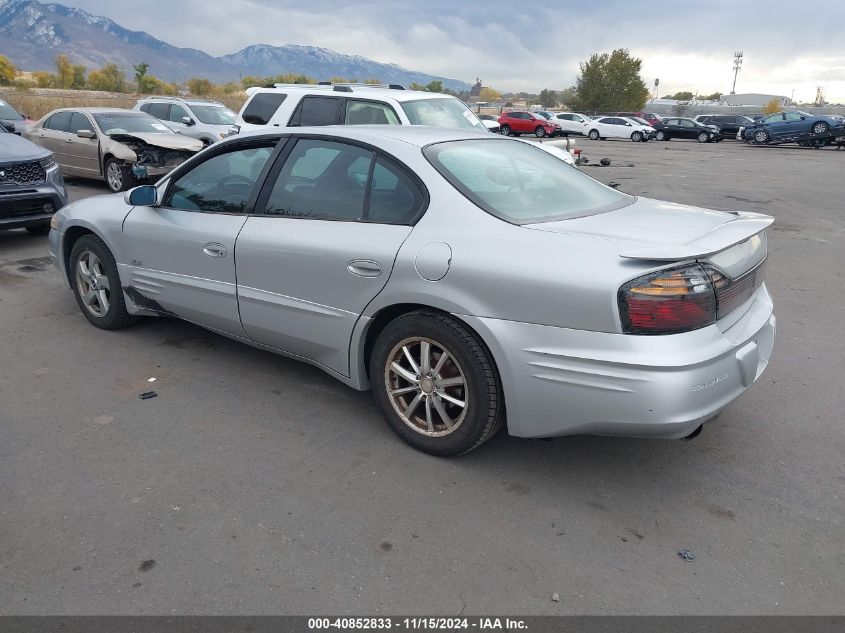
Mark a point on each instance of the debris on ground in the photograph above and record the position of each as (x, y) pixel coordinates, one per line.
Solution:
(147, 395)
(686, 555)
(555, 597)
(151, 379)
(605, 162)
(615, 185)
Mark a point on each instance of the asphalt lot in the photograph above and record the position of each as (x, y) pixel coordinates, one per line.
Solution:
(255, 484)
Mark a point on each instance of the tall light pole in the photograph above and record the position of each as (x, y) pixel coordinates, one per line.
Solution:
(656, 84)
(737, 66)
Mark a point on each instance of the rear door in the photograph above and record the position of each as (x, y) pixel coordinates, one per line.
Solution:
(54, 135)
(181, 254)
(316, 110)
(321, 246)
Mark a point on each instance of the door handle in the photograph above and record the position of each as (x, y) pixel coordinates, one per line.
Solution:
(214, 249)
(364, 267)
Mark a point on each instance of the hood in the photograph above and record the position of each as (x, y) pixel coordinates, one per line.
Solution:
(14, 149)
(166, 141)
(657, 230)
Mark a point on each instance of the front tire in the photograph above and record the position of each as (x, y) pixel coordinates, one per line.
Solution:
(820, 128)
(761, 136)
(96, 284)
(540, 132)
(506, 130)
(594, 135)
(436, 384)
(118, 176)
(637, 137)
(703, 137)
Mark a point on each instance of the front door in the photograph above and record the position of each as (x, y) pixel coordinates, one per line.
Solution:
(321, 246)
(83, 154)
(181, 254)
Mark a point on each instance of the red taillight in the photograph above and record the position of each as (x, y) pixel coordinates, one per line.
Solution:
(668, 301)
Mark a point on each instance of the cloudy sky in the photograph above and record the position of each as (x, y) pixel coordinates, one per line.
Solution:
(788, 46)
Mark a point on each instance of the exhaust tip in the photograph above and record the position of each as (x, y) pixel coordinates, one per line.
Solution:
(693, 435)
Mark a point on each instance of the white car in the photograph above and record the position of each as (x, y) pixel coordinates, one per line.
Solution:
(618, 127)
(573, 123)
(555, 148)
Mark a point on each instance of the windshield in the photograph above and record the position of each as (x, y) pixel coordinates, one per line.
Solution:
(637, 119)
(214, 114)
(130, 122)
(545, 115)
(519, 183)
(8, 113)
(441, 113)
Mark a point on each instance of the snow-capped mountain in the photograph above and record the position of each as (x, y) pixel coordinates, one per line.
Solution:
(32, 33)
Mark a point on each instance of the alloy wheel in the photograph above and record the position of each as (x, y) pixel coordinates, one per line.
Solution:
(92, 283)
(114, 176)
(426, 386)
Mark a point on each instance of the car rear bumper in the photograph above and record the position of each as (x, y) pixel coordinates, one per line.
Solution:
(27, 205)
(565, 382)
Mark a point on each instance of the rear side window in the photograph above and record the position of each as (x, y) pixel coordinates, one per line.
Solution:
(394, 198)
(369, 113)
(316, 111)
(158, 110)
(60, 122)
(221, 184)
(262, 107)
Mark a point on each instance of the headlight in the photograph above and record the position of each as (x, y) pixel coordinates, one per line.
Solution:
(54, 223)
(48, 163)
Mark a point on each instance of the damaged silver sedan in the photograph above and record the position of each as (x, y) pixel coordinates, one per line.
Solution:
(121, 147)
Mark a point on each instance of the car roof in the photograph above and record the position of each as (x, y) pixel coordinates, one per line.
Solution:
(93, 110)
(353, 91)
(416, 135)
(189, 101)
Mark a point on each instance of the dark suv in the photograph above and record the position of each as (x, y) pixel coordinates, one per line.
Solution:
(31, 186)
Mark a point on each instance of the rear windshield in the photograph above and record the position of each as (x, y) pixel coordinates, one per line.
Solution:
(519, 183)
(441, 113)
(129, 122)
(214, 115)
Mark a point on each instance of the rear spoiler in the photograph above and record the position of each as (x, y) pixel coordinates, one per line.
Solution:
(746, 225)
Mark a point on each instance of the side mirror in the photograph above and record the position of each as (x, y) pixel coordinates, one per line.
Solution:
(85, 134)
(187, 120)
(803, 118)
(143, 196)
(10, 127)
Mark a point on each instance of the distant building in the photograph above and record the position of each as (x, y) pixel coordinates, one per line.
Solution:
(475, 91)
(755, 99)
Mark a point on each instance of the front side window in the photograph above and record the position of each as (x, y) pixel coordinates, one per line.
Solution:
(79, 121)
(773, 118)
(369, 113)
(177, 113)
(793, 116)
(441, 112)
(262, 107)
(519, 183)
(687, 123)
(221, 184)
(59, 122)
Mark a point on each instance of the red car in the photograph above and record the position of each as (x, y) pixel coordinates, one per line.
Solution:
(520, 122)
(651, 117)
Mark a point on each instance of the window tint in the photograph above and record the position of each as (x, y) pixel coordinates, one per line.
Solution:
(80, 122)
(792, 116)
(322, 180)
(262, 107)
(316, 111)
(394, 198)
(566, 117)
(369, 113)
(177, 112)
(220, 184)
(158, 110)
(59, 122)
(686, 123)
(520, 183)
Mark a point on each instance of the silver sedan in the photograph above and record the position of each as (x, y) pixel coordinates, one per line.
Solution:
(471, 281)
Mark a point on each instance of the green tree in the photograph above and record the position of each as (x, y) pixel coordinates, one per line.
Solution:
(79, 79)
(415, 86)
(716, 96)
(611, 82)
(200, 86)
(64, 72)
(7, 71)
(435, 85)
(548, 98)
(488, 94)
(109, 78)
(140, 73)
(150, 85)
(686, 95)
(43, 79)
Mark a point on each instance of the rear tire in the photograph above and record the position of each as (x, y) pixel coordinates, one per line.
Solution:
(96, 284)
(38, 229)
(412, 392)
(594, 135)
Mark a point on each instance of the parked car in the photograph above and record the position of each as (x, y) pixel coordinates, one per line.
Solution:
(455, 273)
(573, 123)
(11, 119)
(728, 124)
(490, 122)
(120, 147)
(785, 125)
(618, 127)
(682, 127)
(31, 186)
(208, 121)
(650, 117)
(296, 105)
(519, 122)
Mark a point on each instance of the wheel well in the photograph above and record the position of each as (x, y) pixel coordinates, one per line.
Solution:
(70, 237)
(105, 160)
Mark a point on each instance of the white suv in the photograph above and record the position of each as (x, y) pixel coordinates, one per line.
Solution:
(294, 105)
(208, 121)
